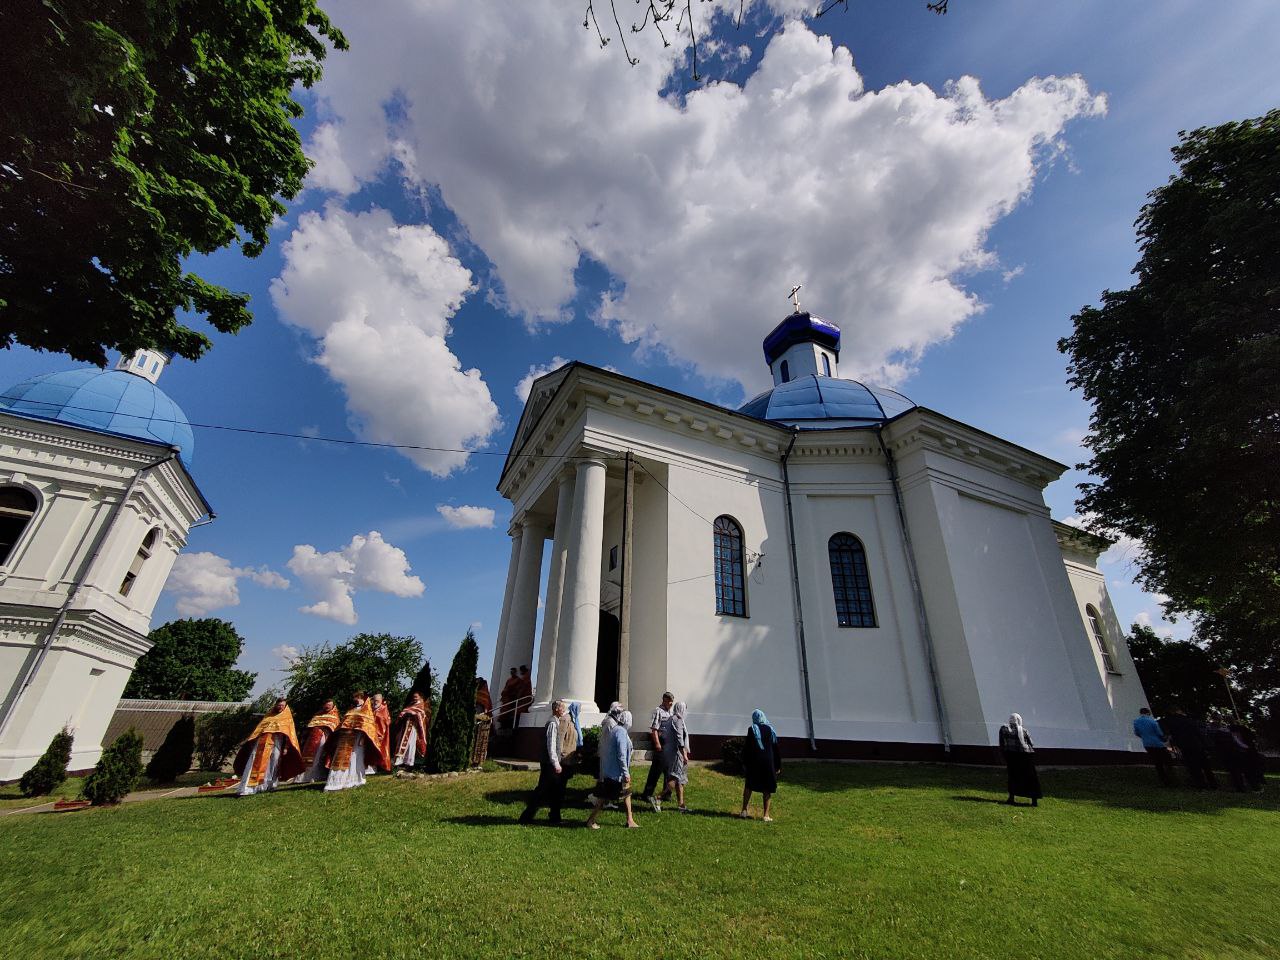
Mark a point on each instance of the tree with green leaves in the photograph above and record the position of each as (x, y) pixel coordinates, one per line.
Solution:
(1176, 673)
(454, 723)
(373, 662)
(118, 771)
(191, 660)
(1181, 371)
(218, 734)
(133, 136)
(51, 769)
(173, 758)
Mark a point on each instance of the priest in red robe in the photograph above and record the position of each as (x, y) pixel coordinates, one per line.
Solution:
(484, 700)
(319, 729)
(270, 754)
(355, 741)
(412, 727)
(382, 715)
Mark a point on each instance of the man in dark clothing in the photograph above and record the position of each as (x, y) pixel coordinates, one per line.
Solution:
(1189, 737)
(559, 744)
(1230, 751)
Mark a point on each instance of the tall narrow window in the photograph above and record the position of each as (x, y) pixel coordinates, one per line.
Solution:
(1100, 638)
(851, 582)
(731, 587)
(786, 372)
(826, 365)
(135, 568)
(17, 507)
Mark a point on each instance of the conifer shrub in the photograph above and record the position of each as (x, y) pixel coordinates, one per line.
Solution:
(173, 759)
(731, 754)
(117, 772)
(51, 769)
(454, 723)
(427, 684)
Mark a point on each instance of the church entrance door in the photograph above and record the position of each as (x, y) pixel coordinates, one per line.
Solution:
(607, 661)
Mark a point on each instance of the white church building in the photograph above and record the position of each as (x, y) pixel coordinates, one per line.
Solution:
(96, 499)
(880, 579)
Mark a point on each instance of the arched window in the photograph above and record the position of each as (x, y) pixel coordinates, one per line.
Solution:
(826, 365)
(731, 587)
(786, 372)
(17, 507)
(851, 582)
(135, 568)
(1100, 638)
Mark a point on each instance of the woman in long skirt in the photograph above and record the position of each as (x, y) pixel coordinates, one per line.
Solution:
(762, 762)
(1020, 759)
(675, 757)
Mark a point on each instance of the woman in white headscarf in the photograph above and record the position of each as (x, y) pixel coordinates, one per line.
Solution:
(1019, 758)
(675, 757)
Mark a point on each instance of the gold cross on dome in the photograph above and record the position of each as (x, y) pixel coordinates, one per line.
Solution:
(795, 295)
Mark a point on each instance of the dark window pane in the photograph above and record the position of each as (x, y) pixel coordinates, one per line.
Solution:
(850, 582)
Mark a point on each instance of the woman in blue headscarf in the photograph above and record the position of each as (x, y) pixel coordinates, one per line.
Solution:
(762, 763)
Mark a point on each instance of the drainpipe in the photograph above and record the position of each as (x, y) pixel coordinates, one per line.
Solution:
(12, 707)
(921, 614)
(795, 587)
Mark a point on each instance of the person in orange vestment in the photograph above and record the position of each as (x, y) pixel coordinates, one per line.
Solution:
(524, 692)
(319, 729)
(507, 699)
(355, 741)
(382, 715)
(484, 701)
(270, 754)
(411, 730)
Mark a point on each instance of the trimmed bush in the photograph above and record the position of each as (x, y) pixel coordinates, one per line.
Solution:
(117, 772)
(731, 754)
(51, 769)
(218, 734)
(173, 759)
(589, 752)
(454, 723)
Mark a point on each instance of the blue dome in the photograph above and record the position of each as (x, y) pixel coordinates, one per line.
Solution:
(826, 403)
(110, 401)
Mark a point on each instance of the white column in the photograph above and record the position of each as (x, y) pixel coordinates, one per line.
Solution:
(500, 639)
(580, 609)
(555, 589)
(518, 649)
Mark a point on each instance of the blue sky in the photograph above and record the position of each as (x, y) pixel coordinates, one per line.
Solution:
(466, 147)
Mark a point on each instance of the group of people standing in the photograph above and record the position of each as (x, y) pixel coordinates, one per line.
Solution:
(339, 750)
(669, 736)
(1201, 745)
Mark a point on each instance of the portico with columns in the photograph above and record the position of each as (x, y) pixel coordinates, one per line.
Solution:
(882, 580)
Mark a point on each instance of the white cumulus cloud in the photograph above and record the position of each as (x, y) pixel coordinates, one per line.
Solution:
(706, 211)
(287, 653)
(465, 517)
(535, 371)
(378, 297)
(366, 563)
(203, 582)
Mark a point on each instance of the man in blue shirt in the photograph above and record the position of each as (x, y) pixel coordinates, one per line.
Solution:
(1147, 728)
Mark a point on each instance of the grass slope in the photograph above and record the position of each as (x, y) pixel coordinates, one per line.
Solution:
(863, 861)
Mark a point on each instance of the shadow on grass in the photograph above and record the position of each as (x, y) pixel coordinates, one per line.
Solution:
(1127, 787)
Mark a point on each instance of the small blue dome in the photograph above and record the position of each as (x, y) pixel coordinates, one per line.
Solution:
(110, 401)
(826, 403)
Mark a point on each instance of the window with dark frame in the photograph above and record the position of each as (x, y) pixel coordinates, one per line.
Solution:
(135, 568)
(613, 557)
(826, 365)
(17, 507)
(1100, 638)
(786, 372)
(731, 586)
(851, 582)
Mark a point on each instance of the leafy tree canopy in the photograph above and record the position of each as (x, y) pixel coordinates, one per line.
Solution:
(132, 136)
(1181, 370)
(373, 662)
(1176, 673)
(191, 660)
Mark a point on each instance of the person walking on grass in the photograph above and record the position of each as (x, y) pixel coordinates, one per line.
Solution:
(1188, 735)
(1148, 729)
(615, 772)
(659, 721)
(1019, 758)
(762, 762)
(559, 746)
(675, 758)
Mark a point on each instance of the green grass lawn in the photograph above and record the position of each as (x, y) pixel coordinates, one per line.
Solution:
(863, 861)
